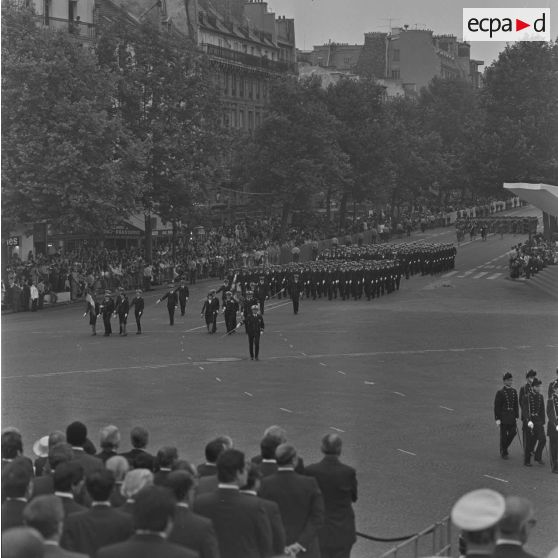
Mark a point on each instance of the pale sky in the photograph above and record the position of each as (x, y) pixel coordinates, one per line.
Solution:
(346, 21)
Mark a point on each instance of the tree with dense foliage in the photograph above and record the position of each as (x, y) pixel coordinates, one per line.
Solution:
(169, 105)
(65, 158)
(295, 152)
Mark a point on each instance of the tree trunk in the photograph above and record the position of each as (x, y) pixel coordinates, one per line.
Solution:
(284, 219)
(343, 210)
(148, 239)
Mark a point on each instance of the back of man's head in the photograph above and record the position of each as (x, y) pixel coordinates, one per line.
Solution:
(285, 454)
(229, 464)
(46, 514)
(519, 516)
(153, 508)
(76, 434)
(180, 483)
(12, 444)
(139, 437)
(268, 445)
(99, 484)
(213, 449)
(119, 466)
(109, 437)
(67, 475)
(16, 477)
(22, 542)
(253, 477)
(166, 456)
(277, 432)
(56, 437)
(332, 444)
(60, 453)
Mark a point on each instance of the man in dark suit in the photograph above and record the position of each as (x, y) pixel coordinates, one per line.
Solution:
(213, 450)
(250, 489)
(241, 524)
(254, 328)
(99, 526)
(16, 488)
(139, 437)
(153, 516)
(190, 529)
(274, 436)
(300, 502)
(46, 514)
(166, 457)
(514, 528)
(172, 302)
(12, 448)
(338, 484)
(68, 482)
(266, 460)
(183, 296)
(107, 310)
(76, 435)
(139, 304)
(22, 542)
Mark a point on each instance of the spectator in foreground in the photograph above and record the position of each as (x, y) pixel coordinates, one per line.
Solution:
(46, 515)
(138, 456)
(134, 481)
(514, 528)
(16, 489)
(22, 542)
(153, 518)
(338, 485)
(477, 514)
(190, 529)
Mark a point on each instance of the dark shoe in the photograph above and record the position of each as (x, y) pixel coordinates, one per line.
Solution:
(539, 461)
(251, 358)
(257, 358)
(527, 464)
(138, 332)
(505, 456)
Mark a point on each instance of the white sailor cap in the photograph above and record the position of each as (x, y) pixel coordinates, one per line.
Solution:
(478, 510)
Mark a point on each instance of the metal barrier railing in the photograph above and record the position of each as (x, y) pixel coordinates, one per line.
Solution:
(435, 540)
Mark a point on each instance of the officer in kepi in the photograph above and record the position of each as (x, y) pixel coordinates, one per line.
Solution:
(254, 328)
(506, 412)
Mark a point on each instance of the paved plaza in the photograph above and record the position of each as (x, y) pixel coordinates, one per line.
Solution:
(408, 380)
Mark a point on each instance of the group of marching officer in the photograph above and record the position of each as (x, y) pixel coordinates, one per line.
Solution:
(508, 404)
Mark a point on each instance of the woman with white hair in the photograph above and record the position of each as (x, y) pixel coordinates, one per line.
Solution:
(134, 481)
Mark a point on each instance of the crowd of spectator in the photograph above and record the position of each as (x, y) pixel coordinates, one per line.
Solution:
(109, 503)
(73, 501)
(529, 257)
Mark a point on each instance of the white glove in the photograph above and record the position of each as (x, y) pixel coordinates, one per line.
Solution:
(557, 428)
(530, 424)
(498, 422)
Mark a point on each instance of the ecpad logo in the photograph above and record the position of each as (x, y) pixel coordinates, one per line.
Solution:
(506, 24)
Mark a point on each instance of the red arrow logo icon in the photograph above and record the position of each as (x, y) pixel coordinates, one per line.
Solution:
(519, 25)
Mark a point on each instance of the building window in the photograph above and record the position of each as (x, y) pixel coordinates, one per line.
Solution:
(225, 83)
(258, 119)
(258, 85)
(241, 119)
(347, 61)
(396, 55)
(46, 10)
(395, 74)
(72, 9)
(233, 85)
(234, 119)
(250, 120)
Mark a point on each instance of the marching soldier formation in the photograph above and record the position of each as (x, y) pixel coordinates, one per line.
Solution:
(530, 400)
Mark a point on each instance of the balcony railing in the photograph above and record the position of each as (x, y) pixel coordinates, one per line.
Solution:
(77, 28)
(247, 59)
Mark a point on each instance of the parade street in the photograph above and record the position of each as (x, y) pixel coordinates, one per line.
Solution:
(408, 380)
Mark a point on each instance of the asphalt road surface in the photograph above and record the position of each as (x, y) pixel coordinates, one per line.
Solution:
(408, 380)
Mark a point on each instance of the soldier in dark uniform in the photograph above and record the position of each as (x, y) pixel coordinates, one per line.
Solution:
(93, 310)
(223, 289)
(107, 309)
(122, 309)
(254, 328)
(552, 385)
(525, 389)
(506, 412)
(172, 302)
(552, 428)
(533, 424)
(138, 303)
(261, 293)
(295, 290)
(247, 303)
(230, 308)
(210, 310)
(183, 296)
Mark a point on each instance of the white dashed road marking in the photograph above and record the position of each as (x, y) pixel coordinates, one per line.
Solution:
(248, 394)
(336, 429)
(449, 274)
(495, 276)
(369, 383)
(481, 274)
(405, 451)
(399, 393)
(495, 478)
(286, 410)
(446, 408)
